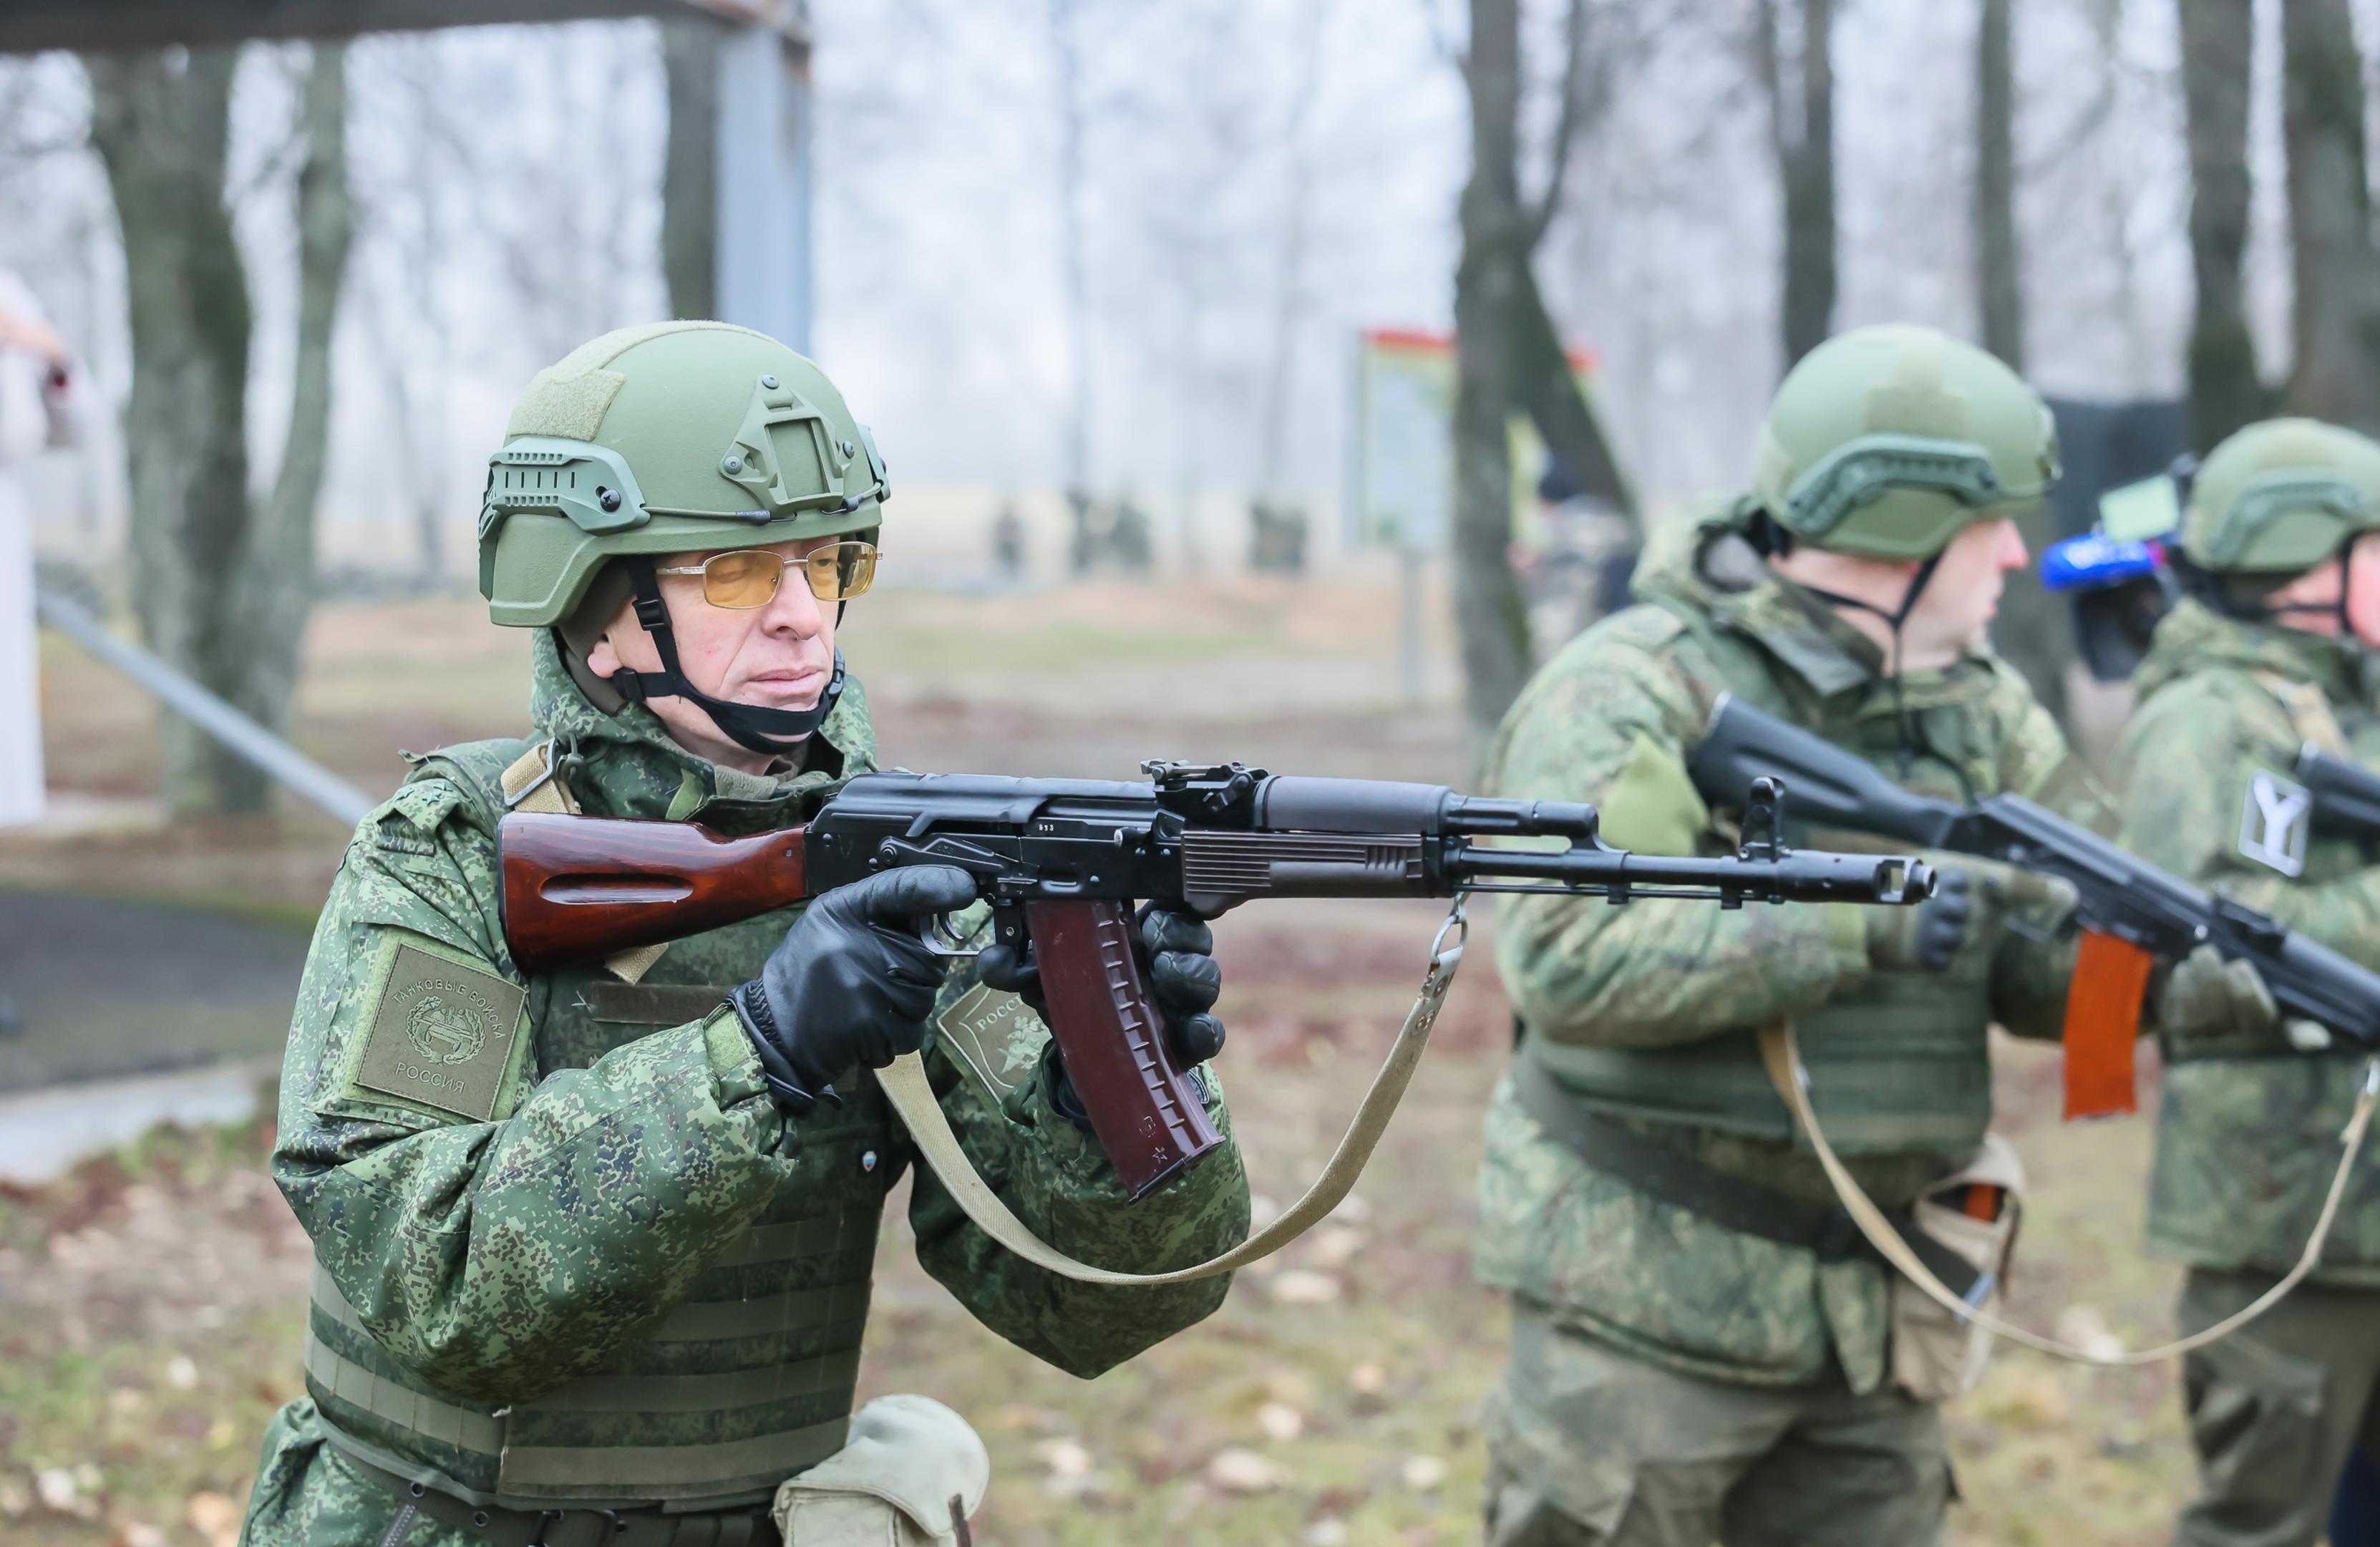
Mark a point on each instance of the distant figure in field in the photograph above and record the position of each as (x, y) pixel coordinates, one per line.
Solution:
(1008, 542)
(33, 381)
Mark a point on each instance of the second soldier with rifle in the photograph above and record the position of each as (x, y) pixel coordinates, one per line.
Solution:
(2268, 657)
(1704, 1347)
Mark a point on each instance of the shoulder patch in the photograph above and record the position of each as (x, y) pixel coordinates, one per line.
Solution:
(996, 1036)
(442, 1034)
(2272, 822)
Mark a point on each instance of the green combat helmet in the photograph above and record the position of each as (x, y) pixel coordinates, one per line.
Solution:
(2276, 499)
(1888, 442)
(671, 438)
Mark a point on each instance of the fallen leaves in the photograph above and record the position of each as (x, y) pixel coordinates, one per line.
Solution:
(1280, 1421)
(1238, 1470)
(216, 1517)
(1305, 1287)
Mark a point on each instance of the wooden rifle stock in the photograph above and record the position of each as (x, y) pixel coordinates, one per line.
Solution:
(576, 888)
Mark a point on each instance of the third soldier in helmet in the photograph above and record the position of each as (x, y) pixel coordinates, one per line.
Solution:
(1703, 1349)
(592, 1245)
(2272, 651)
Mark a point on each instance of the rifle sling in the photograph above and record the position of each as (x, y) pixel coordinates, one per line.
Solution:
(903, 1082)
(1669, 1175)
(1783, 1058)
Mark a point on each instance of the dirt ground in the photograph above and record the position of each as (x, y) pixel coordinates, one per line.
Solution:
(151, 1303)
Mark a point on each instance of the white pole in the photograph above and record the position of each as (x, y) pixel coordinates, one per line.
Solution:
(1409, 621)
(762, 260)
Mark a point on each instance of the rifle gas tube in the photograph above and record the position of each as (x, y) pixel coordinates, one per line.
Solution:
(1062, 862)
(2346, 795)
(2121, 895)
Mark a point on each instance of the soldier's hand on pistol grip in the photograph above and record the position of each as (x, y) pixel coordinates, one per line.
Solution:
(851, 983)
(1177, 960)
(2208, 1007)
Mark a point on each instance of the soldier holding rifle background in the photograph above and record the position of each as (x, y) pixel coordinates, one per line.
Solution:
(2267, 657)
(1704, 1347)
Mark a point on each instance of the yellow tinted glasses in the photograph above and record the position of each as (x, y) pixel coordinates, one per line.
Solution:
(749, 577)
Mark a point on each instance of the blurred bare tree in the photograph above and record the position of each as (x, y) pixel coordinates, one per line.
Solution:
(223, 580)
(1507, 354)
(2334, 264)
(1793, 49)
(1999, 290)
(2218, 50)
(1066, 52)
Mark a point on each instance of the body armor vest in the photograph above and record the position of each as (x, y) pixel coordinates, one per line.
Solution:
(1899, 1062)
(745, 1381)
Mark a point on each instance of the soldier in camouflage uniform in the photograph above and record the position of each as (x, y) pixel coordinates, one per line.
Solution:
(2272, 651)
(1702, 1350)
(593, 1247)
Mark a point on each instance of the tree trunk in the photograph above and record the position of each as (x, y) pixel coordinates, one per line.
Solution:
(1066, 49)
(2217, 45)
(1801, 85)
(1490, 615)
(2032, 630)
(1546, 387)
(1999, 295)
(690, 50)
(276, 585)
(2337, 272)
(160, 131)
(222, 588)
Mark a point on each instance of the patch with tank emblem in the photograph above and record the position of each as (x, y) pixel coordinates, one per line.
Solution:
(2273, 822)
(442, 1035)
(996, 1035)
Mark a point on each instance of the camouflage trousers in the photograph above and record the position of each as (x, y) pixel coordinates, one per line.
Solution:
(2276, 1409)
(1591, 1447)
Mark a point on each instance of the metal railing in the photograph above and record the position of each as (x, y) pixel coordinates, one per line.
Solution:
(293, 769)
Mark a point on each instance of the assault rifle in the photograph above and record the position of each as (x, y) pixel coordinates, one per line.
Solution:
(2122, 895)
(2345, 796)
(1062, 860)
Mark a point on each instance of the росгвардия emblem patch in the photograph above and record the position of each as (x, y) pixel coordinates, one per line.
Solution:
(442, 1034)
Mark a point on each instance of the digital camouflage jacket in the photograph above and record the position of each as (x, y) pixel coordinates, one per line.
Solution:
(1645, 1012)
(553, 1211)
(2247, 1146)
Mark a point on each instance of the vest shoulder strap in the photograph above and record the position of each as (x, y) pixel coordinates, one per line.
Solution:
(476, 768)
(2310, 713)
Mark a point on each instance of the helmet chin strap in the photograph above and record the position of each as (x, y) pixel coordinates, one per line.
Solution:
(771, 732)
(1904, 730)
(2209, 588)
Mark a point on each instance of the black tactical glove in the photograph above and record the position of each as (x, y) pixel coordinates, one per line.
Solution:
(851, 984)
(1176, 954)
(1926, 938)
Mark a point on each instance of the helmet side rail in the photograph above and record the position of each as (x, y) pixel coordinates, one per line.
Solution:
(1060, 861)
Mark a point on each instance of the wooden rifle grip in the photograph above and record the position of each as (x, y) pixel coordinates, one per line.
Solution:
(1144, 1108)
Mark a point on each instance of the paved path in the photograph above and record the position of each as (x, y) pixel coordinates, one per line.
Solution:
(129, 1014)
